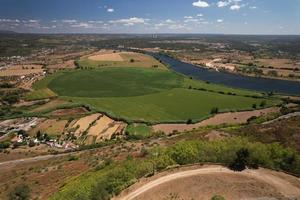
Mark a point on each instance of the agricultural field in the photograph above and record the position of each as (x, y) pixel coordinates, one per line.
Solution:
(148, 95)
(119, 59)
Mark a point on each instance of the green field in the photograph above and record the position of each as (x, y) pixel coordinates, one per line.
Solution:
(147, 95)
(114, 82)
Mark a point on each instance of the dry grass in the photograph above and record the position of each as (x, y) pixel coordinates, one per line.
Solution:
(84, 123)
(223, 118)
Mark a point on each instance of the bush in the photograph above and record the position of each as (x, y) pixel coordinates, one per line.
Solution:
(235, 152)
(263, 104)
(217, 197)
(214, 110)
(73, 158)
(241, 161)
(21, 192)
(5, 145)
(11, 99)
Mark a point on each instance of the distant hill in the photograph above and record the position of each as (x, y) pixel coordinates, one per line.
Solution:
(7, 32)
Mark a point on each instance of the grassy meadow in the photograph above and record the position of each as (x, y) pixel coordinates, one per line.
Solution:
(139, 94)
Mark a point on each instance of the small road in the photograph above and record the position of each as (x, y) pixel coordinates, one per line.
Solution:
(295, 114)
(283, 186)
(32, 159)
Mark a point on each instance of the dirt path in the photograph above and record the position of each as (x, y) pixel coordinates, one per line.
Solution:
(33, 159)
(281, 184)
(295, 114)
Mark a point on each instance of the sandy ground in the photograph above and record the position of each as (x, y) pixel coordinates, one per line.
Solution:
(107, 56)
(224, 118)
(84, 123)
(202, 183)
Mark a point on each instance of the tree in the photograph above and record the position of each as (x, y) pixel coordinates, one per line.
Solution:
(254, 106)
(4, 145)
(263, 104)
(132, 60)
(189, 121)
(21, 192)
(11, 99)
(214, 110)
(241, 160)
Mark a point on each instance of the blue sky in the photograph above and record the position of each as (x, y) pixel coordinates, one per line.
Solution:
(151, 16)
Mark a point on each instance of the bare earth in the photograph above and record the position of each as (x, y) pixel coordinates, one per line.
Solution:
(202, 183)
(223, 118)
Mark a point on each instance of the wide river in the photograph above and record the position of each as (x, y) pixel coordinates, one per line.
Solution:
(230, 79)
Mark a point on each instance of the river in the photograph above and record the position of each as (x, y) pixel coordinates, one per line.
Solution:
(231, 79)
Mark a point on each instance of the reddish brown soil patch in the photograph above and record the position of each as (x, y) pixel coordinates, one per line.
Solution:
(69, 111)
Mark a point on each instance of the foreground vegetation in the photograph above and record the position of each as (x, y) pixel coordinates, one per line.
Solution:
(110, 178)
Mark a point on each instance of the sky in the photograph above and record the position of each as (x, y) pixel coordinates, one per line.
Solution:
(151, 16)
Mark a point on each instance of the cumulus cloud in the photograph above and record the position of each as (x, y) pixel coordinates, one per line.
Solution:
(170, 21)
(201, 4)
(235, 7)
(220, 20)
(234, 4)
(110, 10)
(69, 21)
(130, 21)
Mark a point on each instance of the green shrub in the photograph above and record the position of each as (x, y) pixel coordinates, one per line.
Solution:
(20, 192)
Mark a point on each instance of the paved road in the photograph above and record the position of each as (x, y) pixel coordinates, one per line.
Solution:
(283, 186)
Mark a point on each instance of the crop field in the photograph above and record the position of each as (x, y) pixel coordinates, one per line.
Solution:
(114, 82)
(148, 95)
(122, 59)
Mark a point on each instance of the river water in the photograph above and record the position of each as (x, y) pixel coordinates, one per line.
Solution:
(230, 79)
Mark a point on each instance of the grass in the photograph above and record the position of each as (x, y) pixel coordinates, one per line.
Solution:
(40, 94)
(148, 95)
(176, 105)
(114, 82)
(138, 131)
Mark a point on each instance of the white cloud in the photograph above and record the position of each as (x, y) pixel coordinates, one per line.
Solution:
(200, 15)
(33, 21)
(235, 7)
(188, 17)
(81, 25)
(221, 4)
(130, 21)
(69, 21)
(191, 20)
(234, 4)
(253, 7)
(201, 4)
(110, 10)
(220, 20)
(169, 21)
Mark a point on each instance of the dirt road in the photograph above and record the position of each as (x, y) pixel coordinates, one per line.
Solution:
(33, 159)
(281, 184)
